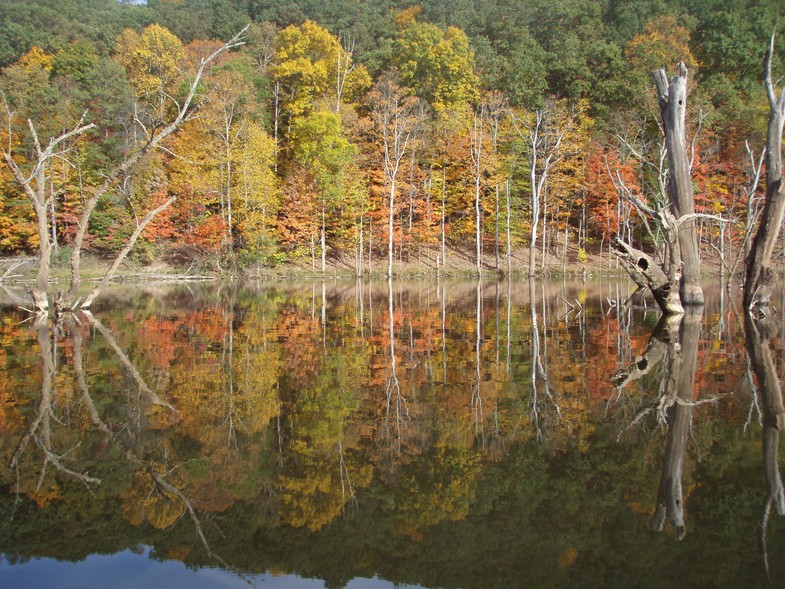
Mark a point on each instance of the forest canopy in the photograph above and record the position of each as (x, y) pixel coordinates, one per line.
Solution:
(288, 158)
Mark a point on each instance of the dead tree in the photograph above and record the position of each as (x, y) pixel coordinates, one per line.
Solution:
(661, 278)
(647, 271)
(759, 276)
(673, 106)
(34, 184)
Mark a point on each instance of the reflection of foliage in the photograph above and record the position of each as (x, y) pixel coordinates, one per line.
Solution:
(280, 430)
(144, 501)
(437, 488)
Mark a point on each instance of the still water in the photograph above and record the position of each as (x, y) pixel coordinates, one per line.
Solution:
(374, 435)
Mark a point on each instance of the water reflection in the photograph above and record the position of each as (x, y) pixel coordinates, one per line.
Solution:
(759, 332)
(453, 434)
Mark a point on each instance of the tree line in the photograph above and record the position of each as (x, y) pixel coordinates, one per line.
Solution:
(376, 134)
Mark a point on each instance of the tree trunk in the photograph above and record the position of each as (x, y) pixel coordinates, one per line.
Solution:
(509, 236)
(664, 288)
(496, 229)
(323, 242)
(444, 193)
(390, 227)
(760, 275)
(45, 247)
(673, 106)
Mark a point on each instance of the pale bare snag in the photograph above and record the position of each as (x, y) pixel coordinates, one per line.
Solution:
(672, 95)
(34, 183)
(760, 275)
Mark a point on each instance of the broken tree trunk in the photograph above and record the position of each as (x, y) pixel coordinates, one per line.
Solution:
(664, 287)
(673, 106)
(759, 273)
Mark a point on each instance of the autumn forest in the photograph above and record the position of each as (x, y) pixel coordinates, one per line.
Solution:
(241, 134)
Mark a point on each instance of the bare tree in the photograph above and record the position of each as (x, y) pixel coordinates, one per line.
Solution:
(759, 273)
(542, 133)
(673, 106)
(34, 182)
(395, 116)
(475, 147)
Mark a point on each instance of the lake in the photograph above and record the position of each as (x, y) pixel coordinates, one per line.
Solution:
(423, 433)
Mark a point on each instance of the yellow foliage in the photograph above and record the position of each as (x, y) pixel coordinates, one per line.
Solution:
(162, 511)
(407, 17)
(308, 63)
(152, 60)
(662, 44)
(36, 58)
(44, 496)
(145, 501)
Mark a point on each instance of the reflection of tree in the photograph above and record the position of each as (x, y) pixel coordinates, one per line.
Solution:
(676, 406)
(40, 428)
(674, 344)
(442, 511)
(397, 406)
(477, 400)
(541, 411)
(161, 501)
(758, 333)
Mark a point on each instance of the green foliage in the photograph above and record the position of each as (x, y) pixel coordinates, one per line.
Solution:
(301, 78)
(436, 65)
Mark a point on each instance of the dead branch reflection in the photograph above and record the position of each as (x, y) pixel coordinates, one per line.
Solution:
(759, 331)
(673, 350)
(43, 428)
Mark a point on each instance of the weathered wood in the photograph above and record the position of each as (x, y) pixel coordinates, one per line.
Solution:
(40, 302)
(760, 275)
(664, 288)
(59, 306)
(672, 97)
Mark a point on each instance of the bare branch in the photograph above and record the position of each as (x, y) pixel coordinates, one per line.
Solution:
(54, 459)
(154, 398)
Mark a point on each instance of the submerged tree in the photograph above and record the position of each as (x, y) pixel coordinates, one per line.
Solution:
(759, 277)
